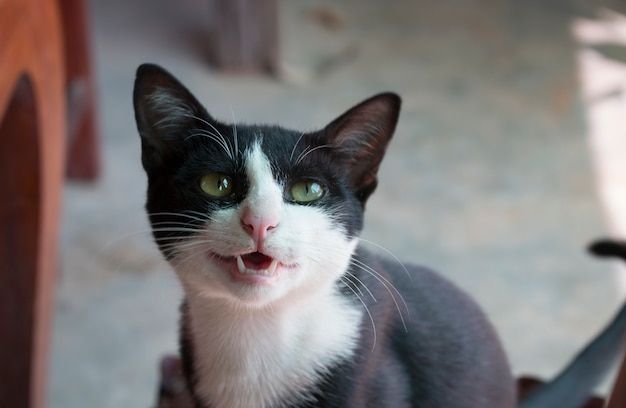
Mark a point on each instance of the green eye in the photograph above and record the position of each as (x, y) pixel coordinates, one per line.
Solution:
(216, 185)
(306, 191)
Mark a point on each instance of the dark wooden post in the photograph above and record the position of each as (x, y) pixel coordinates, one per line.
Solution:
(245, 34)
(19, 217)
(83, 139)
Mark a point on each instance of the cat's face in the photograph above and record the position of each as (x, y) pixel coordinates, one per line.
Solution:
(256, 214)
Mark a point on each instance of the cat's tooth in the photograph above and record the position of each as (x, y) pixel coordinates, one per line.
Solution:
(272, 268)
(240, 265)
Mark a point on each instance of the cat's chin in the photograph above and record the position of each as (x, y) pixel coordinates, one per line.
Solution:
(254, 268)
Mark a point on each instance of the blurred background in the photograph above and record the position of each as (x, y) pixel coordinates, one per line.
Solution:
(507, 161)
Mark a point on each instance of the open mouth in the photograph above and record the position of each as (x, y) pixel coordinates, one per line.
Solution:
(256, 263)
(253, 268)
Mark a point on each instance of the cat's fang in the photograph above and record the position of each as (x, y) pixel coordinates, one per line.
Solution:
(240, 265)
(272, 268)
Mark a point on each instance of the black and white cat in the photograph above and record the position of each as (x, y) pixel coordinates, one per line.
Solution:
(282, 306)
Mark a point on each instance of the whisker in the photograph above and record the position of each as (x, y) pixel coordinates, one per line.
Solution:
(216, 138)
(184, 246)
(295, 146)
(190, 220)
(362, 284)
(176, 229)
(166, 224)
(388, 286)
(352, 279)
(214, 129)
(390, 254)
(196, 215)
(158, 239)
(232, 114)
(190, 255)
(305, 153)
(306, 149)
(367, 310)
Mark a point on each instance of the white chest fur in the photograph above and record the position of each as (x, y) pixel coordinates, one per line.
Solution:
(256, 358)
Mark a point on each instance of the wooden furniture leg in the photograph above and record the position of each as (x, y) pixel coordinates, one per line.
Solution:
(83, 139)
(32, 161)
(19, 217)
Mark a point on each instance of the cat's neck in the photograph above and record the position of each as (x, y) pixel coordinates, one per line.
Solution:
(255, 357)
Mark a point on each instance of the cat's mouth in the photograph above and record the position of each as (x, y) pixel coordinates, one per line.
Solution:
(255, 263)
(253, 268)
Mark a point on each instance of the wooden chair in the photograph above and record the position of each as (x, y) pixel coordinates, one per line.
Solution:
(32, 157)
(33, 144)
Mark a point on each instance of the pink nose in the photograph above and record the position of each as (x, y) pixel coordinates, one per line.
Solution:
(257, 226)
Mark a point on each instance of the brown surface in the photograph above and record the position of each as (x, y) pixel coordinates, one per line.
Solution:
(83, 144)
(32, 133)
(525, 386)
(172, 388)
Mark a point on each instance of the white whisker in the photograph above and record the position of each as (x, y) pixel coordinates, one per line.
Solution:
(390, 254)
(216, 138)
(308, 151)
(362, 285)
(195, 215)
(232, 113)
(177, 229)
(295, 146)
(190, 255)
(394, 293)
(367, 310)
(224, 143)
(388, 286)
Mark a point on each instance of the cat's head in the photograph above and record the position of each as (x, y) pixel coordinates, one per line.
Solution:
(255, 213)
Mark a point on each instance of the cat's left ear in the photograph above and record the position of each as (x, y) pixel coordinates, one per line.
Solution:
(360, 136)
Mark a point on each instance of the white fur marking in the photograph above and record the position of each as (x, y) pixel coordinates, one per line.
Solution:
(257, 347)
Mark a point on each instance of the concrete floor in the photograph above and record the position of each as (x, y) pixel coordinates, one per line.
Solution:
(489, 179)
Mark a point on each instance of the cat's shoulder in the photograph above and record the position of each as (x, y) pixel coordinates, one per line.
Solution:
(416, 287)
(407, 275)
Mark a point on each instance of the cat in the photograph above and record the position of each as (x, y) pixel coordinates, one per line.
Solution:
(282, 306)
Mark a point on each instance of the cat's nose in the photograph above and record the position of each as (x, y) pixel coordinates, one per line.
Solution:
(257, 226)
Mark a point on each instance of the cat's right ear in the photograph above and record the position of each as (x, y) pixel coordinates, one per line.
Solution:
(164, 111)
